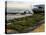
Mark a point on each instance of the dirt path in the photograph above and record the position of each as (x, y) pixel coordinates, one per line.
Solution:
(40, 28)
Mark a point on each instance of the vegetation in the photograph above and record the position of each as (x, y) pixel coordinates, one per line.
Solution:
(39, 9)
(20, 24)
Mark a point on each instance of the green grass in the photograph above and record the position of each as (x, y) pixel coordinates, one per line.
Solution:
(22, 23)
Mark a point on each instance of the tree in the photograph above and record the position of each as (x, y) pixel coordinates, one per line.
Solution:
(39, 9)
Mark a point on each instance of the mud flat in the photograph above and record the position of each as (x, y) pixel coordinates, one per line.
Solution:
(12, 16)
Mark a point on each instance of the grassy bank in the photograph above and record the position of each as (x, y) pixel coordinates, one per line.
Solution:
(22, 23)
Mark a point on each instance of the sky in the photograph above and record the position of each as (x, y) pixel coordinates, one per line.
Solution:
(22, 3)
(18, 4)
(32, 1)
